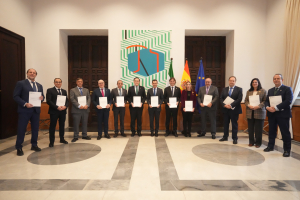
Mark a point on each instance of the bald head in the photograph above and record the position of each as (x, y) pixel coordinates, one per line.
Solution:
(208, 82)
(101, 83)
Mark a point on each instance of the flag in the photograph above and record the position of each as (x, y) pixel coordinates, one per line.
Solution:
(185, 76)
(170, 74)
(200, 81)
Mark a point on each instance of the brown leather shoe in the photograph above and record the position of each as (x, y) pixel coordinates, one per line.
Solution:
(257, 146)
(250, 145)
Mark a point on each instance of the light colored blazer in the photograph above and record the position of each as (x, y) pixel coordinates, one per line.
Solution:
(213, 90)
(74, 94)
(261, 112)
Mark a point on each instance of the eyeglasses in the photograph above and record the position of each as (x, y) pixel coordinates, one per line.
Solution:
(57, 82)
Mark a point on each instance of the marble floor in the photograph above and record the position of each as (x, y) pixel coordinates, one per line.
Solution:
(148, 168)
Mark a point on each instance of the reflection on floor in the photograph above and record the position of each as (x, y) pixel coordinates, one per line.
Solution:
(148, 168)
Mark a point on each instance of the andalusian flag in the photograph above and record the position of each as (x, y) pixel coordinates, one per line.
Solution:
(170, 73)
(185, 76)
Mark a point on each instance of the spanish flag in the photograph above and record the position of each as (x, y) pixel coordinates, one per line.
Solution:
(185, 76)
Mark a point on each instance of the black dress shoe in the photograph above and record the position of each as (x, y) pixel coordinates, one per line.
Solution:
(132, 134)
(152, 134)
(156, 133)
(99, 137)
(20, 152)
(167, 133)
(123, 135)
(139, 134)
(201, 135)
(51, 145)
(74, 139)
(36, 148)
(234, 141)
(107, 136)
(213, 136)
(188, 134)
(268, 149)
(175, 133)
(184, 133)
(87, 138)
(286, 154)
(223, 139)
(63, 141)
(115, 135)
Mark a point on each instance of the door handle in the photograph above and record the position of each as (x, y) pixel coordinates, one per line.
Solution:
(91, 92)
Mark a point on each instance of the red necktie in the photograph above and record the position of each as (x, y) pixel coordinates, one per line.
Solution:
(102, 92)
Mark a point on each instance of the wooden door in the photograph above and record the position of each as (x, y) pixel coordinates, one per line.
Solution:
(12, 64)
(88, 59)
(212, 49)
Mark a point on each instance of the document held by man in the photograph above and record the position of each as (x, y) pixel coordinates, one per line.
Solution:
(137, 101)
(172, 102)
(207, 99)
(228, 101)
(82, 100)
(154, 101)
(34, 99)
(103, 102)
(188, 106)
(254, 100)
(120, 101)
(275, 100)
(61, 100)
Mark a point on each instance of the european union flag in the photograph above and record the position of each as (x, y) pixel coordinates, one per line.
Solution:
(200, 81)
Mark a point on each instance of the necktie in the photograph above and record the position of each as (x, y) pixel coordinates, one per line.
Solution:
(230, 91)
(207, 90)
(59, 92)
(120, 93)
(102, 92)
(33, 86)
(154, 92)
(172, 92)
(81, 91)
(276, 90)
(136, 90)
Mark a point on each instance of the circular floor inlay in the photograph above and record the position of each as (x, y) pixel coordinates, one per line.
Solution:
(228, 154)
(64, 154)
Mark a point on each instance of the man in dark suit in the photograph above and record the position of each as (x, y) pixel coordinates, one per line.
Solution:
(26, 110)
(102, 110)
(171, 91)
(80, 111)
(119, 91)
(279, 115)
(209, 109)
(57, 112)
(136, 112)
(154, 111)
(231, 111)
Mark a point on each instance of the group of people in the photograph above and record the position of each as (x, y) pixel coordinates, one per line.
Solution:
(102, 98)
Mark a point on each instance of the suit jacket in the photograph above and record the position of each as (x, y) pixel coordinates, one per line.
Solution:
(192, 98)
(74, 94)
(284, 108)
(131, 94)
(168, 93)
(159, 93)
(237, 96)
(114, 93)
(51, 97)
(213, 90)
(21, 96)
(97, 93)
(258, 113)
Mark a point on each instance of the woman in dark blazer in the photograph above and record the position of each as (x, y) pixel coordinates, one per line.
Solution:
(255, 114)
(188, 95)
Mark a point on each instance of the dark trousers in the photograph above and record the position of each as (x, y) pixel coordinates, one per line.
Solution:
(233, 117)
(154, 112)
(61, 116)
(255, 126)
(284, 125)
(136, 115)
(212, 117)
(23, 120)
(119, 111)
(171, 112)
(103, 115)
(187, 121)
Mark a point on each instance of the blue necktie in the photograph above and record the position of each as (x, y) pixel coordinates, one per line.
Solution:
(59, 92)
(33, 86)
(154, 92)
(230, 91)
(81, 91)
(120, 94)
(172, 92)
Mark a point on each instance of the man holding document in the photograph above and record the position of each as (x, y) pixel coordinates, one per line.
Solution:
(155, 98)
(208, 96)
(119, 98)
(101, 100)
(81, 100)
(28, 94)
(278, 104)
(58, 102)
(136, 99)
(231, 98)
